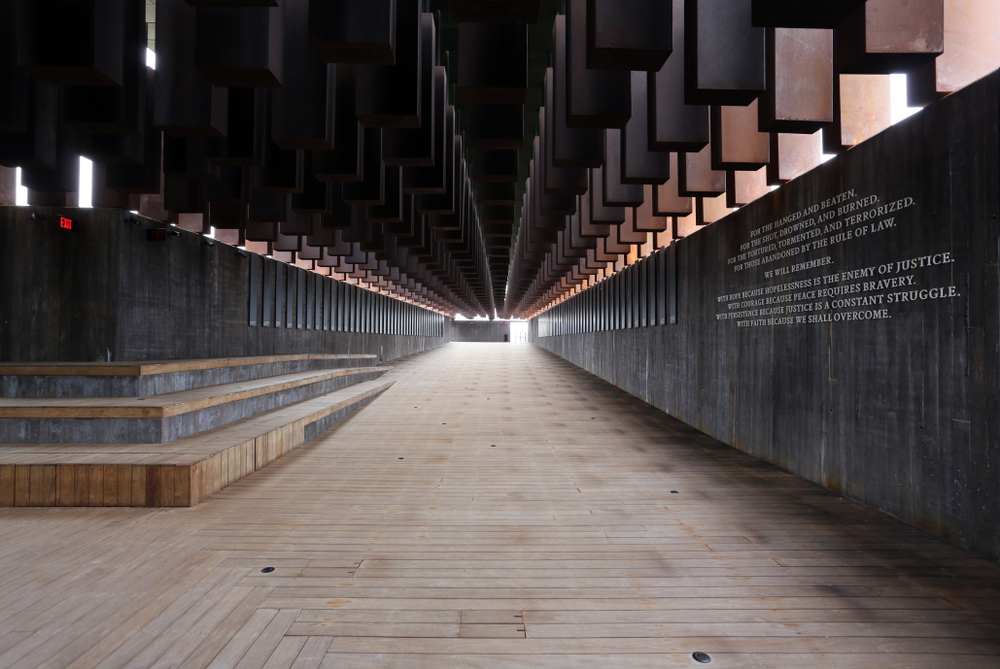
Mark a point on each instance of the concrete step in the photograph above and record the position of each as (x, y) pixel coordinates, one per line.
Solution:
(179, 473)
(156, 377)
(161, 418)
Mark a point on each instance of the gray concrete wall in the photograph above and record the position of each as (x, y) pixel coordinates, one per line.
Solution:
(105, 292)
(480, 331)
(900, 410)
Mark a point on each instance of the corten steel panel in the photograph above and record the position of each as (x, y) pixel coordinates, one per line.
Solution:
(600, 212)
(695, 175)
(743, 187)
(639, 164)
(710, 209)
(246, 131)
(799, 93)
(798, 14)
(494, 166)
(495, 193)
(737, 144)
(667, 200)
(645, 218)
(673, 125)
(550, 205)
(862, 109)
(304, 108)
(971, 51)
(94, 109)
(588, 226)
(793, 155)
(283, 170)
(15, 88)
(90, 36)
(371, 189)
(723, 53)
(560, 180)
(36, 147)
(186, 103)
(494, 126)
(492, 63)
(240, 46)
(415, 147)
(431, 180)
(629, 34)
(594, 98)
(391, 210)
(144, 178)
(888, 36)
(271, 207)
(571, 147)
(316, 196)
(345, 161)
(616, 192)
(346, 31)
(388, 96)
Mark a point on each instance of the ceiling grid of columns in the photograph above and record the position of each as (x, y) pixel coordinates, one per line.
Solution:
(477, 157)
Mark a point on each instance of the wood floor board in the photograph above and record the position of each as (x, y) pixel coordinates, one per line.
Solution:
(521, 533)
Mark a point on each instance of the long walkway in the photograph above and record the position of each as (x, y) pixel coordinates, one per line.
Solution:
(497, 507)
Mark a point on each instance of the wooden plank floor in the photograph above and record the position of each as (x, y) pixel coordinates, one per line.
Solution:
(530, 522)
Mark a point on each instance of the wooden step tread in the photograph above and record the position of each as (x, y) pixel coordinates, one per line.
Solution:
(178, 473)
(168, 404)
(152, 367)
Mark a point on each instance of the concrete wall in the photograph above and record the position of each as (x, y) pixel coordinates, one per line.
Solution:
(105, 292)
(900, 410)
(480, 331)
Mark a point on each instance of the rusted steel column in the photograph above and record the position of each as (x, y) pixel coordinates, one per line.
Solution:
(737, 144)
(723, 53)
(888, 36)
(743, 187)
(793, 155)
(799, 93)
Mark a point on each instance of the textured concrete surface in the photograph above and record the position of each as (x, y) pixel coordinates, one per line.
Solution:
(105, 292)
(899, 412)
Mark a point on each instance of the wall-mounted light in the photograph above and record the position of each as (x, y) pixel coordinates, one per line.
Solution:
(35, 216)
(174, 233)
(241, 253)
(205, 241)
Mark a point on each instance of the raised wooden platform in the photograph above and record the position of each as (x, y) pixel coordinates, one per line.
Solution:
(178, 473)
(162, 418)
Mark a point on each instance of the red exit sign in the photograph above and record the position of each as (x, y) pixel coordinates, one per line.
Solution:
(156, 234)
(66, 223)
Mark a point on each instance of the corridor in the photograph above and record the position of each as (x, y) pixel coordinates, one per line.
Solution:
(497, 507)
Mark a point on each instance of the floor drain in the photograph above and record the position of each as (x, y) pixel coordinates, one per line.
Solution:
(399, 458)
(701, 657)
(493, 445)
(444, 423)
(267, 570)
(673, 492)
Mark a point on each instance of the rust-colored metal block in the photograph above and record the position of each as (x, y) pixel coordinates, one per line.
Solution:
(862, 109)
(240, 46)
(793, 156)
(799, 14)
(667, 200)
(971, 51)
(889, 36)
(696, 176)
(799, 95)
(492, 63)
(359, 33)
(673, 125)
(632, 35)
(594, 98)
(743, 187)
(737, 144)
(723, 53)
(494, 11)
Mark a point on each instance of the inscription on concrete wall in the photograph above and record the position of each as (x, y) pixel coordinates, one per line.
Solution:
(802, 281)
